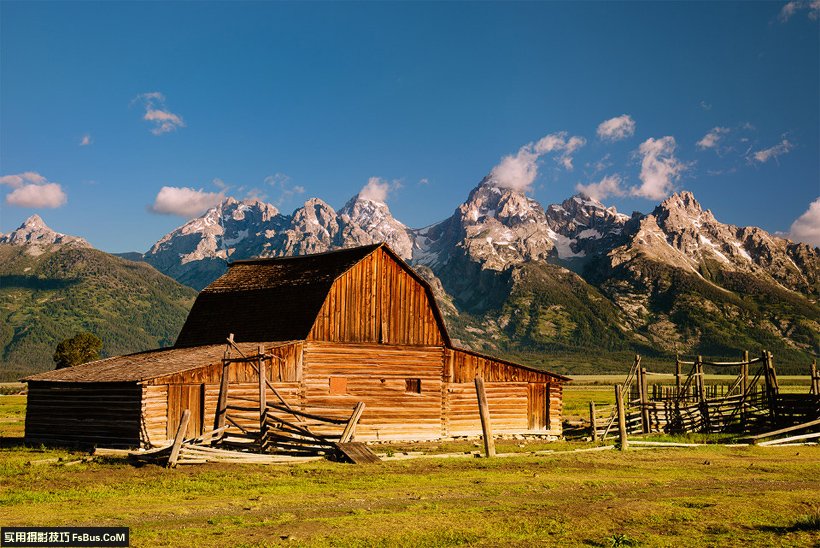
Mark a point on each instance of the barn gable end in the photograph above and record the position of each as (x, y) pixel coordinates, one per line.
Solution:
(379, 300)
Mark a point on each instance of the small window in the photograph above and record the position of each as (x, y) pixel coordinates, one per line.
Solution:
(338, 385)
(412, 386)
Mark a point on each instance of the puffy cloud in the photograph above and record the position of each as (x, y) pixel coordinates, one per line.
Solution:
(617, 129)
(378, 189)
(25, 178)
(86, 140)
(158, 114)
(762, 156)
(659, 168)
(791, 8)
(518, 171)
(608, 186)
(281, 182)
(712, 138)
(185, 202)
(806, 228)
(30, 189)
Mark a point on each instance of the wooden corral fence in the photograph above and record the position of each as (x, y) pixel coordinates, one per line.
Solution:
(263, 422)
(751, 403)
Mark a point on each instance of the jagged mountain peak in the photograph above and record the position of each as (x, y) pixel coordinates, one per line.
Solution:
(36, 234)
(364, 221)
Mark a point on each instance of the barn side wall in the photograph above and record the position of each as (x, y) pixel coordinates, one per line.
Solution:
(83, 414)
(164, 398)
(378, 301)
(520, 400)
(337, 376)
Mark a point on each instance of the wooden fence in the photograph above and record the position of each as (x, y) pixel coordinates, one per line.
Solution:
(751, 403)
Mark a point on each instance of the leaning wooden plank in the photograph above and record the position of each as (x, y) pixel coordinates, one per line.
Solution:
(664, 444)
(790, 438)
(783, 430)
(109, 452)
(358, 453)
(181, 430)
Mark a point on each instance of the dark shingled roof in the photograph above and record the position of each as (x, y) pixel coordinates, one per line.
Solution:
(267, 299)
(143, 366)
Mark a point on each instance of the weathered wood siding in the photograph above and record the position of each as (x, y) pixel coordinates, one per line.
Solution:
(556, 407)
(520, 399)
(378, 301)
(464, 366)
(507, 402)
(164, 398)
(376, 375)
(154, 415)
(105, 414)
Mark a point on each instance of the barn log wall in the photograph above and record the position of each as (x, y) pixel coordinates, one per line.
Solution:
(525, 400)
(85, 414)
(556, 407)
(507, 402)
(378, 301)
(162, 405)
(376, 375)
(154, 415)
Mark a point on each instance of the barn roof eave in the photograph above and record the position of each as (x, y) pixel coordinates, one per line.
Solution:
(556, 376)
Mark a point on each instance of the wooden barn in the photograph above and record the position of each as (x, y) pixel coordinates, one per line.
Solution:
(328, 331)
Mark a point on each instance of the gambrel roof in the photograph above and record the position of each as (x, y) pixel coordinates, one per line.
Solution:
(276, 299)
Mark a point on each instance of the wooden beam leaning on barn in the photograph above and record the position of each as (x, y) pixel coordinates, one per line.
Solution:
(484, 414)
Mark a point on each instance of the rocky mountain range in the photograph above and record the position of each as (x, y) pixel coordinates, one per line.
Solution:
(515, 277)
(546, 285)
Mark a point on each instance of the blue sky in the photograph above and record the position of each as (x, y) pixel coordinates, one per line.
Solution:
(104, 104)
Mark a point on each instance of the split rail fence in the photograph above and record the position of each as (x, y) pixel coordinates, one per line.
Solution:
(752, 403)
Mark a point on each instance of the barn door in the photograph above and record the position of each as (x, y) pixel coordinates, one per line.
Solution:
(186, 396)
(537, 406)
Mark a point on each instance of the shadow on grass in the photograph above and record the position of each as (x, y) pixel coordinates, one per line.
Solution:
(13, 442)
(808, 522)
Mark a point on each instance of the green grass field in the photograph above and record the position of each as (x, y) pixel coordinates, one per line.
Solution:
(706, 496)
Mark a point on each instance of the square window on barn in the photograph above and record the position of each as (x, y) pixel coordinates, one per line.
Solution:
(338, 385)
(412, 386)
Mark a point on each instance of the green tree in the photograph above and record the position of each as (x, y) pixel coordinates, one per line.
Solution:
(81, 348)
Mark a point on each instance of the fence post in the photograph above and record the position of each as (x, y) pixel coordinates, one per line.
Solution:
(644, 402)
(263, 403)
(815, 382)
(592, 424)
(677, 376)
(484, 413)
(619, 402)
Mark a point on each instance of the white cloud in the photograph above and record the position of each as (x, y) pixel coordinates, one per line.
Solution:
(30, 189)
(281, 182)
(705, 106)
(659, 168)
(28, 177)
(158, 114)
(520, 170)
(86, 140)
(378, 189)
(712, 138)
(617, 129)
(791, 8)
(185, 202)
(424, 181)
(608, 186)
(762, 156)
(807, 227)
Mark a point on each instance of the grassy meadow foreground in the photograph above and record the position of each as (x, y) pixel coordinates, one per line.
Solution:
(704, 496)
